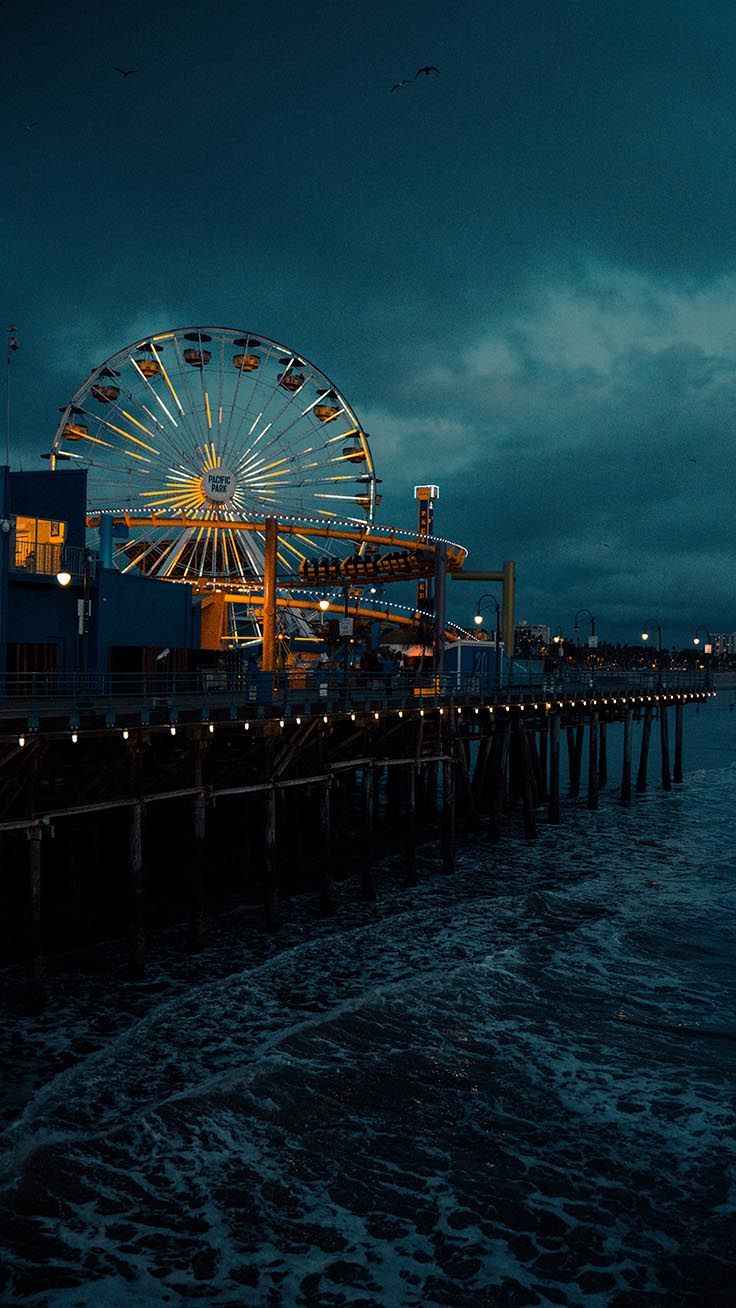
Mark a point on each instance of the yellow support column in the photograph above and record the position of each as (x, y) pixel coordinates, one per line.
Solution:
(269, 595)
(507, 604)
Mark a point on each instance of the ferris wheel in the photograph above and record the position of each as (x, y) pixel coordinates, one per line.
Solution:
(190, 430)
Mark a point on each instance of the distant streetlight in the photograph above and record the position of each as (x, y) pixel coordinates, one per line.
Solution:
(324, 605)
(645, 636)
(63, 578)
(593, 639)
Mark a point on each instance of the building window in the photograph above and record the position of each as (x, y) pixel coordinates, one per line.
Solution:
(38, 545)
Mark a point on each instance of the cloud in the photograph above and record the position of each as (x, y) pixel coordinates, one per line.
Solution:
(589, 438)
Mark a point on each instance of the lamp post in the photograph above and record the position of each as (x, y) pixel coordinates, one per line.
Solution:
(84, 608)
(324, 606)
(478, 620)
(592, 639)
(645, 636)
(587, 613)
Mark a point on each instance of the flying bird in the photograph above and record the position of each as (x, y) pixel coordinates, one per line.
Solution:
(398, 85)
(125, 72)
(428, 68)
(29, 126)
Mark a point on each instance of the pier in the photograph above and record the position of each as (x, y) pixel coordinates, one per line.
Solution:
(131, 795)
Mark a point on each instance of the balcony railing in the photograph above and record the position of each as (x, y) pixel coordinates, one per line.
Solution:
(48, 559)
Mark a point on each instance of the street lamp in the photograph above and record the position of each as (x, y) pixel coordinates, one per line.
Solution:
(478, 620)
(84, 608)
(592, 639)
(645, 636)
(324, 605)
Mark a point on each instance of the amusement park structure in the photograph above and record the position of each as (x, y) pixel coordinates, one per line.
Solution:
(220, 459)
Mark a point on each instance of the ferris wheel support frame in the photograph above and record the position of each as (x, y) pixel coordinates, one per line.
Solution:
(446, 554)
(367, 534)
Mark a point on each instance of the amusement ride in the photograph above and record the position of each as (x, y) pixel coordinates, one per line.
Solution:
(221, 459)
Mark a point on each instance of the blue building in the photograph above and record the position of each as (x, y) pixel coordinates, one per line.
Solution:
(61, 610)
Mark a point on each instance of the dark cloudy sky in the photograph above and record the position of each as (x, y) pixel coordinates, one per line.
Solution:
(520, 272)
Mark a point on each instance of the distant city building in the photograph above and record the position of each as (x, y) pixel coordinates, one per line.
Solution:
(724, 643)
(530, 637)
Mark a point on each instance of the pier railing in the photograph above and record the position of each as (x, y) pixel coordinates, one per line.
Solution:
(310, 691)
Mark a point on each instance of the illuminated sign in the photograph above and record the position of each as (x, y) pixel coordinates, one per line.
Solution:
(219, 485)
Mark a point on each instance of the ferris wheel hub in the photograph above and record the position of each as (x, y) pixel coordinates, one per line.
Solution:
(219, 485)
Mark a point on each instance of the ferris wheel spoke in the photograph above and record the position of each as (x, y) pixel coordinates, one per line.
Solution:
(260, 353)
(236, 554)
(206, 400)
(282, 429)
(252, 551)
(189, 564)
(136, 552)
(191, 416)
(153, 427)
(287, 545)
(155, 396)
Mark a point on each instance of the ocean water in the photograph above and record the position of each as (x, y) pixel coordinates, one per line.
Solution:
(513, 1085)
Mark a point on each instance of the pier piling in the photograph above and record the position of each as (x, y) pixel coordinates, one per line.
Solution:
(410, 826)
(469, 808)
(593, 761)
(498, 774)
(626, 765)
(576, 757)
(664, 744)
(270, 862)
(326, 886)
(646, 731)
(527, 782)
(553, 803)
(677, 769)
(447, 833)
(367, 878)
(34, 940)
(602, 756)
(136, 915)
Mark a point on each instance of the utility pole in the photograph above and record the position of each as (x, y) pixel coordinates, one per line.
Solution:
(13, 345)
